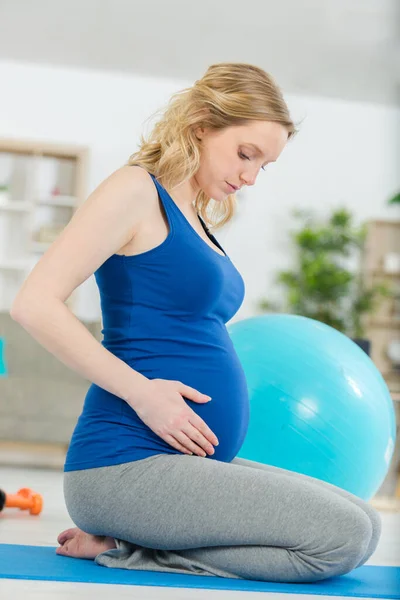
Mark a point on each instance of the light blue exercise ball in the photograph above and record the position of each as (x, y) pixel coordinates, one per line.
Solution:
(318, 404)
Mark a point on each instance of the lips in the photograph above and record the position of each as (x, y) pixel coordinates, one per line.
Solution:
(234, 187)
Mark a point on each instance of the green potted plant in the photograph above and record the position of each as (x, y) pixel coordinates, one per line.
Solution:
(322, 285)
(395, 199)
(4, 193)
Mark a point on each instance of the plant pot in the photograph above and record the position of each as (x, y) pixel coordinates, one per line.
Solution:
(364, 344)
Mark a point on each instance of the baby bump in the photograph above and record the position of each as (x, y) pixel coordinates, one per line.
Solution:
(227, 414)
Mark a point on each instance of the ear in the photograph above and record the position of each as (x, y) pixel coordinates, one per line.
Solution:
(199, 132)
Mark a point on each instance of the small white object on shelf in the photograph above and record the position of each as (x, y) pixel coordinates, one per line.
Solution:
(393, 352)
(391, 262)
(4, 196)
(62, 201)
(16, 206)
(15, 264)
(40, 246)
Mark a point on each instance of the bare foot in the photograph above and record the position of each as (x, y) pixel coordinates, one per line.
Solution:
(78, 544)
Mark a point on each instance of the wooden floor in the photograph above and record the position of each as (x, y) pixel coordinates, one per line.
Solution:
(19, 528)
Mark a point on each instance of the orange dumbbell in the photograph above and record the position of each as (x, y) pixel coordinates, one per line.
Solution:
(24, 499)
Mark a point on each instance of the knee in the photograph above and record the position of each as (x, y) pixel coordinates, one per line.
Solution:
(376, 524)
(376, 521)
(351, 544)
(342, 550)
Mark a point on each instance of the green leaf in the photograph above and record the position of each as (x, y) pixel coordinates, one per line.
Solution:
(395, 199)
(320, 285)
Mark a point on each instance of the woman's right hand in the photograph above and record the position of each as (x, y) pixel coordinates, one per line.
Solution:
(161, 407)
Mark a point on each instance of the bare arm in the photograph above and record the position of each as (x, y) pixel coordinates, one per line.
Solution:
(105, 223)
(99, 228)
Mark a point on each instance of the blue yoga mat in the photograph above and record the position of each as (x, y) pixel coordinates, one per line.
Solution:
(41, 562)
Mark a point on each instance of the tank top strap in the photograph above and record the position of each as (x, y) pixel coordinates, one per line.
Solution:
(176, 218)
(169, 205)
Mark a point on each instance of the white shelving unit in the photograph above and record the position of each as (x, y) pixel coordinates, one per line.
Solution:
(41, 186)
(383, 327)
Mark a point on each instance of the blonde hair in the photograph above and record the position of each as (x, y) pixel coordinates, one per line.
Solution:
(229, 94)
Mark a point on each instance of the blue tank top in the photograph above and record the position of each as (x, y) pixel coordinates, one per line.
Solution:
(164, 313)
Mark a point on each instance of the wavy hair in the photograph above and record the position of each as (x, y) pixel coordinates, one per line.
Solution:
(229, 94)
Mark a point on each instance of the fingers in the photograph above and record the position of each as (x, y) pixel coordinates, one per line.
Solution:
(195, 420)
(192, 439)
(203, 428)
(193, 436)
(184, 443)
(175, 444)
(192, 394)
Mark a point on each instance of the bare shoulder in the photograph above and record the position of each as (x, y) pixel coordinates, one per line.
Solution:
(107, 221)
(127, 197)
(131, 187)
(137, 177)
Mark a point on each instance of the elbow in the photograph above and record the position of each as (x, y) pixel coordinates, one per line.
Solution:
(23, 309)
(18, 310)
(28, 309)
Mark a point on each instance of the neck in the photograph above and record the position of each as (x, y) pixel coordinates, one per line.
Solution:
(185, 194)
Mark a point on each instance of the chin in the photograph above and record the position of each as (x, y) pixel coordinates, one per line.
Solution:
(216, 193)
(219, 195)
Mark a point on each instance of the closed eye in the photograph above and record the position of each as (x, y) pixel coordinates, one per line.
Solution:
(244, 157)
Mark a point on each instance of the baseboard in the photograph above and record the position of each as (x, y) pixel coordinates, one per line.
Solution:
(386, 503)
(31, 454)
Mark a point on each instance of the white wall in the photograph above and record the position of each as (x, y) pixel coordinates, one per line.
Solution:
(345, 154)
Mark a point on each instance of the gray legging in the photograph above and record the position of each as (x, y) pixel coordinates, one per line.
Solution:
(186, 514)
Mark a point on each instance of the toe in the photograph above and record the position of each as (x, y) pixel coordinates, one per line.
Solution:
(62, 550)
(60, 538)
(67, 535)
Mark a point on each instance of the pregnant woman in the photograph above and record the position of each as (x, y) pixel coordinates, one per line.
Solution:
(151, 478)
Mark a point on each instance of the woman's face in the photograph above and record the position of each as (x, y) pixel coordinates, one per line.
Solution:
(233, 157)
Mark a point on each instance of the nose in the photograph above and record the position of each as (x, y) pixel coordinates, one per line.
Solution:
(249, 177)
